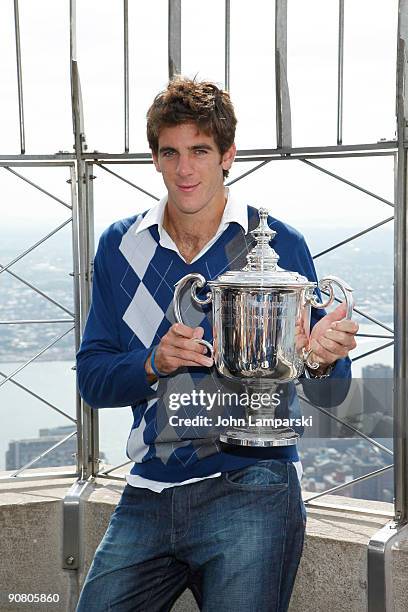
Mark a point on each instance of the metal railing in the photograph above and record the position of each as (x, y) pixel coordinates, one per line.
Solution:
(6, 268)
(81, 164)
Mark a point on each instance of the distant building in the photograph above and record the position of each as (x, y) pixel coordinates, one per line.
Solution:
(377, 401)
(342, 460)
(21, 452)
(377, 370)
(376, 488)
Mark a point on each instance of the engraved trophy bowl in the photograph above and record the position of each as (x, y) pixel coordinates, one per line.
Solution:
(261, 327)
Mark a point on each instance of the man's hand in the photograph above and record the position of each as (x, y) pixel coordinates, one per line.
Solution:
(178, 349)
(332, 338)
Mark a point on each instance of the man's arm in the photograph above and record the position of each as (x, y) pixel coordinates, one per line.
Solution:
(178, 349)
(332, 336)
(108, 376)
(331, 339)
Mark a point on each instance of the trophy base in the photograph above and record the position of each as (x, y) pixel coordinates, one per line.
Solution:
(261, 437)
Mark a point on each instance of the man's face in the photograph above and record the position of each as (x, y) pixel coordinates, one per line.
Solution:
(192, 166)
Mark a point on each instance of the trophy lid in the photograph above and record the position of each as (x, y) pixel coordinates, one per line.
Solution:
(262, 268)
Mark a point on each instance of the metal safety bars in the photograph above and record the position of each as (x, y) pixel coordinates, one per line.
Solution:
(82, 256)
(283, 152)
(6, 268)
(364, 314)
(82, 204)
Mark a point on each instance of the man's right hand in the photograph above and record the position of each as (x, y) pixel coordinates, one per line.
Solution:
(178, 349)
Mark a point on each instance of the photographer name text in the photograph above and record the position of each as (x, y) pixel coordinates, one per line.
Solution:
(230, 421)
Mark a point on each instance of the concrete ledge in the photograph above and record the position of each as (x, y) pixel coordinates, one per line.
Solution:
(31, 544)
(399, 565)
(332, 573)
(333, 569)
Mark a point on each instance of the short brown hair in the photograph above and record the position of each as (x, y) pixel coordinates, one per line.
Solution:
(190, 101)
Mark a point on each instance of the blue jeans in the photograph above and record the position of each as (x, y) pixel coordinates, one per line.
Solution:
(236, 541)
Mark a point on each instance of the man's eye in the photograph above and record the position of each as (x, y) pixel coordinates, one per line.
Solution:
(201, 151)
(168, 153)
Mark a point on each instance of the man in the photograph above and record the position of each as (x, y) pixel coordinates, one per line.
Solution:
(229, 524)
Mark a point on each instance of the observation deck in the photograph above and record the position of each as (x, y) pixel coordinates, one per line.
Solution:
(332, 573)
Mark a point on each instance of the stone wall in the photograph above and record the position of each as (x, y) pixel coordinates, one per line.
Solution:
(332, 574)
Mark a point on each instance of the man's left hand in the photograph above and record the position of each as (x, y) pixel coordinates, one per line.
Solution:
(332, 338)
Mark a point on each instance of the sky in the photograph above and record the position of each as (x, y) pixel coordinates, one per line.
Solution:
(291, 190)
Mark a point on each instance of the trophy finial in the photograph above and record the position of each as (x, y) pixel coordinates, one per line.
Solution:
(263, 215)
(262, 256)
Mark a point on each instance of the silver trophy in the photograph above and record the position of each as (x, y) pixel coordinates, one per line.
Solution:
(261, 326)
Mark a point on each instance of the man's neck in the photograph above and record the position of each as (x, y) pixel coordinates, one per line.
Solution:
(192, 232)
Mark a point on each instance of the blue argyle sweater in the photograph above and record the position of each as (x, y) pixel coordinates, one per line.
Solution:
(132, 308)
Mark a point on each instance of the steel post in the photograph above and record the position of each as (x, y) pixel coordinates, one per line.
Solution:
(126, 69)
(93, 415)
(400, 278)
(227, 55)
(77, 308)
(19, 77)
(174, 38)
(87, 419)
(283, 113)
(340, 80)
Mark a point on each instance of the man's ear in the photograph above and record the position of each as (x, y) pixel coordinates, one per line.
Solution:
(228, 157)
(156, 161)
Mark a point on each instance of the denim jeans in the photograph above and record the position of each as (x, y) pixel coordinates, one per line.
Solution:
(236, 541)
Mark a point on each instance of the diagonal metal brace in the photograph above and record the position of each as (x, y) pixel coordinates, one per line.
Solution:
(44, 454)
(34, 246)
(49, 194)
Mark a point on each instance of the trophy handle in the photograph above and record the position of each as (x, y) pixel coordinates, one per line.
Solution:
(326, 284)
(199, 283)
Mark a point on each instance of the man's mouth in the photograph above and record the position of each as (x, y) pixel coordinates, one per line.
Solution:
(187, 188)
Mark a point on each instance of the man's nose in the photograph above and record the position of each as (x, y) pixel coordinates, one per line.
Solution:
(184, 167)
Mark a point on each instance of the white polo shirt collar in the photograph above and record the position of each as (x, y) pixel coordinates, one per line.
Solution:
(235, 211)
